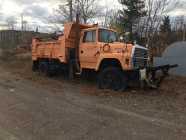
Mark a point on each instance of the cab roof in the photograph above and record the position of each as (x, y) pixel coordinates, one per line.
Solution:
(97, 27)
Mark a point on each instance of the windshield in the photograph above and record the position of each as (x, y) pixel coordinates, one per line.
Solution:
(107, 36)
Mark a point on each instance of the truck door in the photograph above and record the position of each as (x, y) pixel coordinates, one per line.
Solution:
(88, 50)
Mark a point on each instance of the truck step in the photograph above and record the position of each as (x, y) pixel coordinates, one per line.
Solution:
(78, 73)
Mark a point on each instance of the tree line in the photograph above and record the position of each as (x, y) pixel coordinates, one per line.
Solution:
(146, 21)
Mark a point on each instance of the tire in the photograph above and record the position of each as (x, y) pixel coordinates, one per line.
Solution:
(35, 66)
(51, 71)
(112, 78)
(43, 67)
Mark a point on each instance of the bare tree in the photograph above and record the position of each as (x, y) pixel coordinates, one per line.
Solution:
(87, 9)
(180, 21)
(109, 18)
(11, 22)
(65, 11)
(179, 27)
(70, 4)
(155, 11)
(25, 25)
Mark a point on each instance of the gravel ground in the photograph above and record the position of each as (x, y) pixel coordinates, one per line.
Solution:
(34, 107)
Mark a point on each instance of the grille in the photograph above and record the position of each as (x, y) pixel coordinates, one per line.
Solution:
(140, 58)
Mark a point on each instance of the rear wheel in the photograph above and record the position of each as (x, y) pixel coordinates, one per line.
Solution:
(112, 78)
(48, 68)
(35, 66)
(43, 67)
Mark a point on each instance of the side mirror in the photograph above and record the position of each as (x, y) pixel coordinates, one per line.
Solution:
(124, 37)
(121, 38)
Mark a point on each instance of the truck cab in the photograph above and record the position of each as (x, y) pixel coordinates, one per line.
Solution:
(100, 47)
(116, 62)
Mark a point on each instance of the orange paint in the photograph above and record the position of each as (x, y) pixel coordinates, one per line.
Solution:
(91, 54)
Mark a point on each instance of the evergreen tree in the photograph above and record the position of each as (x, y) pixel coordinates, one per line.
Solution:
(165, 31)
(129, 16)
(166, 26)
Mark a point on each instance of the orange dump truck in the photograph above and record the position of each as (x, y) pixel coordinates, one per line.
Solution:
(91, 48)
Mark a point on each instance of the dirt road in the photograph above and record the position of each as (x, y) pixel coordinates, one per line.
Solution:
(33, 107)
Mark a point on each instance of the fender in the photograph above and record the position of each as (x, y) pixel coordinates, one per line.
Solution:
(114, 56)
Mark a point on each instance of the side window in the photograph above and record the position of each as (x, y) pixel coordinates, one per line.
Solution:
(93, 36)
(89, 36)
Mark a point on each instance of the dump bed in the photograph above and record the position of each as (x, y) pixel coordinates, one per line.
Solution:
(48, 49)
(58, 49)
(55, 49)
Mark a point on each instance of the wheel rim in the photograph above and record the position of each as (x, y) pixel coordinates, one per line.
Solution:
(112, 81)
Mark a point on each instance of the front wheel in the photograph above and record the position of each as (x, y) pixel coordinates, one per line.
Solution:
(112, 78)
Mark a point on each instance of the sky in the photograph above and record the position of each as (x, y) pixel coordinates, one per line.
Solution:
(36, 12)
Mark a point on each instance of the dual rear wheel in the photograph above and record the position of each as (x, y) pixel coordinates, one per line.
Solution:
(46, 68)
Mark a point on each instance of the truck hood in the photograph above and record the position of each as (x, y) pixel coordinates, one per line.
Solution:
(123, 45)
(120, 47)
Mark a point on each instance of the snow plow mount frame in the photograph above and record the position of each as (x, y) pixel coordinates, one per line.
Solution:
(149, 76)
